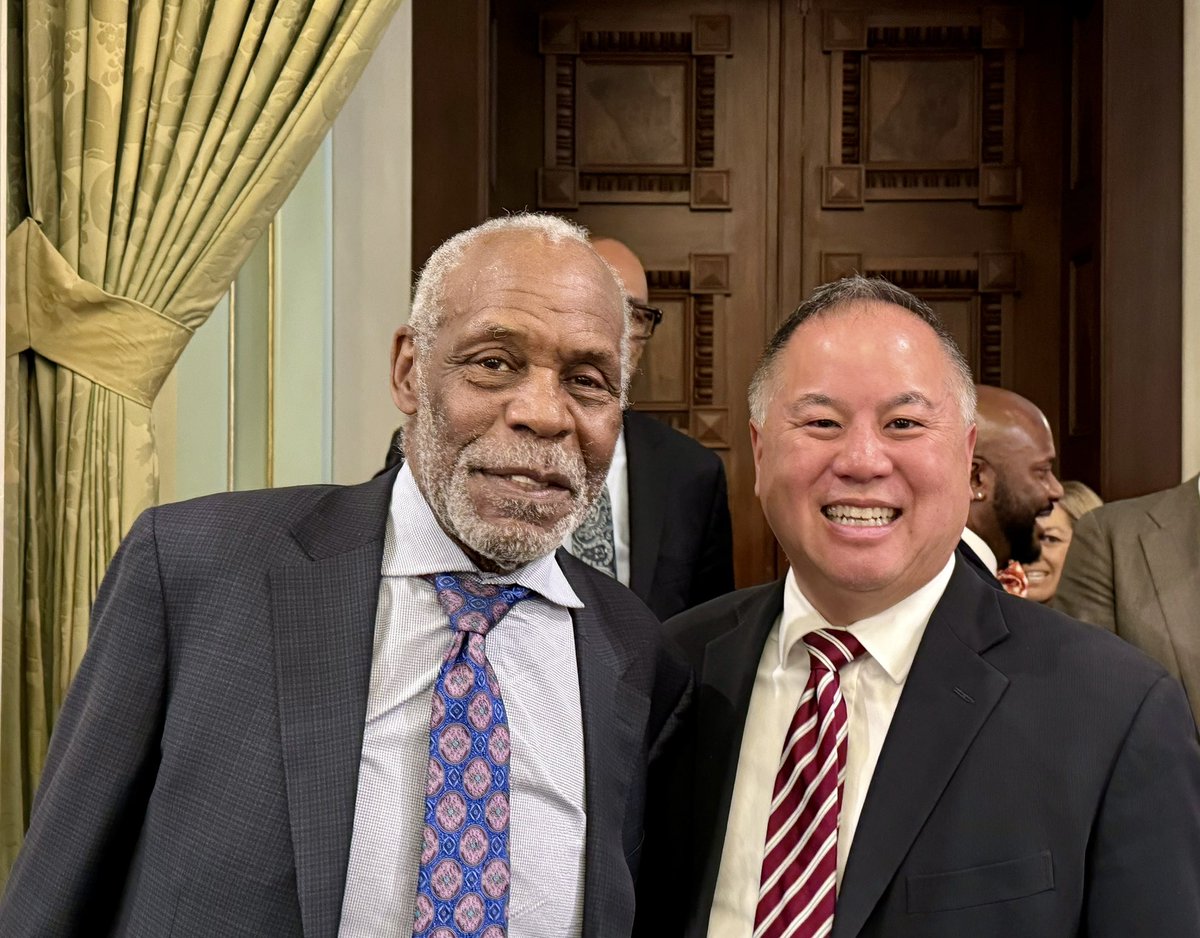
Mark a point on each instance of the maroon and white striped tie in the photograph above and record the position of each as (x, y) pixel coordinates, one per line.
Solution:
(797, 895)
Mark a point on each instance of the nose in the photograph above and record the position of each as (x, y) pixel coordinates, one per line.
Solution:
(540, 405)
(863, 455)
(1054, 488)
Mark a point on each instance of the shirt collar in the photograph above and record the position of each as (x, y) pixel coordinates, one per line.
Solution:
(416, 545)
(982, 551)
(890, 637)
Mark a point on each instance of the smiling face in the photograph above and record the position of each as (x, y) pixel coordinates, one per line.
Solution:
(1054, 534)
(1012, 475)
(1026, 487)
(515, 406)
(863, 459)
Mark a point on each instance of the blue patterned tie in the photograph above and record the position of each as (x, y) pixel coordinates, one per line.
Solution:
(462, 886)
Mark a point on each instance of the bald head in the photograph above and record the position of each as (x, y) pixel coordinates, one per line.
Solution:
(1005, 418)
(1012, 475)
(632, 275)
(629, 269)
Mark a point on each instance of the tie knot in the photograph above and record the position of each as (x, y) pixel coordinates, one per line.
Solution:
(832, 649)
(473, 606)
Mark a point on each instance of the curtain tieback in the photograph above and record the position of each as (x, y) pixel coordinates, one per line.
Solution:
(113, 341)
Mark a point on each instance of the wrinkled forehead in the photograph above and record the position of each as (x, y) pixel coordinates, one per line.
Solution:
(506, 259)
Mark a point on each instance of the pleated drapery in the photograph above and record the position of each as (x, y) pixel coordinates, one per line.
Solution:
(159, 141)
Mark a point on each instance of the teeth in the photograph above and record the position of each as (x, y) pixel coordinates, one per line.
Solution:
(859, 517)
(525, 480)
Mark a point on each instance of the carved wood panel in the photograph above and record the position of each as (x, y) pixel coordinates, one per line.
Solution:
(682, 378)
(922, 106)
(630, 114)
(974, 295)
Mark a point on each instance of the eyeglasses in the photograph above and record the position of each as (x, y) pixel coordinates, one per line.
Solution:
(645, 319)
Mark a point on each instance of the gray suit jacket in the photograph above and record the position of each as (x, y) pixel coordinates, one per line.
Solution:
(1134, 569)
(1039, 779)
(202, 777)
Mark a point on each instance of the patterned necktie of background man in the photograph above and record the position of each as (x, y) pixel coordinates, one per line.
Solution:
(593, 541)
(462, 885)
(797, 891)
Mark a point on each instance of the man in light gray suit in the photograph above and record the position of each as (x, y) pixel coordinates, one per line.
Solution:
(247, 748)
(1134, 568)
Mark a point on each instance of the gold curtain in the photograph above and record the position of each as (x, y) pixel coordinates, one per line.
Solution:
(159, 141)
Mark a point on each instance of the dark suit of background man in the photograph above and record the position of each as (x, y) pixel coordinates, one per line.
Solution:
(1008, 771)
(247, 747)
(1134, 568)
(1012, 483)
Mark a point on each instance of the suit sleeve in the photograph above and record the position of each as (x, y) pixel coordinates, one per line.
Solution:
(87, 814)
(1144, 859)
(713, 575)
(1086, 588)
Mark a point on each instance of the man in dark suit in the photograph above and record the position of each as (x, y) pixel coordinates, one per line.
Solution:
(324, 710)
(1012, 484)
(884, 745)
(1134, 568)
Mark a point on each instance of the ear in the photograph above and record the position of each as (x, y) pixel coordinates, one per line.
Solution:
(404, 359)
(756, 447)
(983, 478)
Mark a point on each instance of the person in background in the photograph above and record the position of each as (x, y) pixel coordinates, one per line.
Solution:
(661, 526)
(884, 745)
(1012, 484)
(1054, 535)
(389, 710)
(1134, 569)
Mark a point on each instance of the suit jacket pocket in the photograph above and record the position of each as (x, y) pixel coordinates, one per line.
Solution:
(980, 885)
(634, 857)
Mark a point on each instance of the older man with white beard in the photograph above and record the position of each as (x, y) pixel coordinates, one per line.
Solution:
(386, 709)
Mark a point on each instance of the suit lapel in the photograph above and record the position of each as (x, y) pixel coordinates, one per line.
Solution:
(647, 501)
(613, 713)
(947, 697)
(729, 668)
(323, 617)
(1171, 556)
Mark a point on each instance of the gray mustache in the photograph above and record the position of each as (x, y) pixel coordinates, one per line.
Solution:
(542, 457)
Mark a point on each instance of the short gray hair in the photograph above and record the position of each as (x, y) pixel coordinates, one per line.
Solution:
(429, 295)
(847, 290)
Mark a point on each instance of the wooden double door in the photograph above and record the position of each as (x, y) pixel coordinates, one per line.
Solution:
(749, 150)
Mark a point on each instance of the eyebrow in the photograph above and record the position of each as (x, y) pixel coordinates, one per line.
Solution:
(601, 357)
(908, 399)
(493, 330)
(904, 399)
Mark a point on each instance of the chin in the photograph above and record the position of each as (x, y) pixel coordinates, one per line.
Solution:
(1039, 594)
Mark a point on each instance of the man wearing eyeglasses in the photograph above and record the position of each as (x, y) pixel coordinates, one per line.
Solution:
(663, 530)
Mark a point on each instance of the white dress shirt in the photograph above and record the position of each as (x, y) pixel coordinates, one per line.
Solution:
(617, 482)
(982, 551)
(871, 687)
(532, 650)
